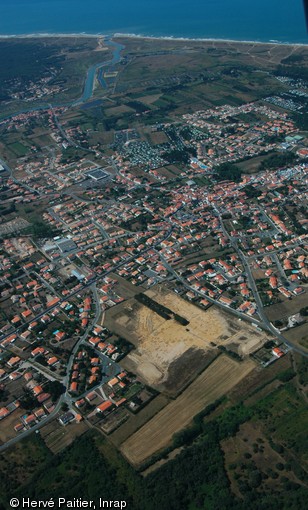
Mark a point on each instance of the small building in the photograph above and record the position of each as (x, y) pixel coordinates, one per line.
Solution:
(66, 418)
(104, 406)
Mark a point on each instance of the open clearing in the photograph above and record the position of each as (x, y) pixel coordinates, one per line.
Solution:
(57, 437)
(298, 335)
(7, 431)
(286, 308)
(221, 376)
(161, 344)
(264, 457)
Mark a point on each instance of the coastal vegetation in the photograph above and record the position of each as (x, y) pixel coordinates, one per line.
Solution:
(204, 474)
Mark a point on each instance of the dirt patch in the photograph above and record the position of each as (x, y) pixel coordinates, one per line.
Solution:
(298, 335)
(159, 341)
(7, 431)
(57, 437)
(165, 348)
(192, 363)
(214, 382)
(286, 307)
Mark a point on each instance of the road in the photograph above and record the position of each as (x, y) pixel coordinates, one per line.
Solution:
(65, 398)
(269, 326)
(90, 326)
(8, 169)
(265, 323)
(181, 280)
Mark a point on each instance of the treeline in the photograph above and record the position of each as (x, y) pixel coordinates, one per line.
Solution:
(195, 479)
(177, 156)
(186, 436)
(40, 229)
(301, 120)
(277, 161)
(161, 310)
(229, 172)
(297, 72)
(230, 353)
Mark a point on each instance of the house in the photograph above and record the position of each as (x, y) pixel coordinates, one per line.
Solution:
(4, 412)
(13, 361)
(19, 427)
(91, 396)
(14, 376)
(66, 418)
(298, 290)
(104, 406)
(277, 352)
(52, 361)
(30, 420)
(37, 351)
(40, 413)
(43, 397)
(273, 282)
(113, 382)
(26, 314)
(37, 390)
(121, 402)
(73, 387)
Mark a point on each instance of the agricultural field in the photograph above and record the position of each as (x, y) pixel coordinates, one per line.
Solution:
(214, 382)
(192, 73)
(136, 421)
(57, 438)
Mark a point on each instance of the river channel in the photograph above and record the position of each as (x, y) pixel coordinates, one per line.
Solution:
(88, 85)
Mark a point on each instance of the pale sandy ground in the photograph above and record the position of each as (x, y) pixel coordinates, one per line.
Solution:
(161, 341)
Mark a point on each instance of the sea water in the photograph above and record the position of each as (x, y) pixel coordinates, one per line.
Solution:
(259, 20)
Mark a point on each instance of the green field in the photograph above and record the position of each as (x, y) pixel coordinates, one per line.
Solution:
(19, 149)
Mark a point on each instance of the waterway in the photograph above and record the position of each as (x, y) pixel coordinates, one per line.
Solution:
(88, 87)
(90, 79)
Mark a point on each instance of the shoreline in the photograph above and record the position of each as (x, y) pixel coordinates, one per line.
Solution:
(117, 35)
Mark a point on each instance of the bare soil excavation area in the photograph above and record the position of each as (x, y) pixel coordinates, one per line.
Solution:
(161, 344)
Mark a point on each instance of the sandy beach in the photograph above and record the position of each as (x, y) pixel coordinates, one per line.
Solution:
(119, 35)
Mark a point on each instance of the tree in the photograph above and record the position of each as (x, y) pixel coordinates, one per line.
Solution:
(228, 171)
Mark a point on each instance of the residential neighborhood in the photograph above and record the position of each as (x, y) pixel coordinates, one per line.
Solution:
(97, 227)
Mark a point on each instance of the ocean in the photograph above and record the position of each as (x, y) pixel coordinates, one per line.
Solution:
(259, 20)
